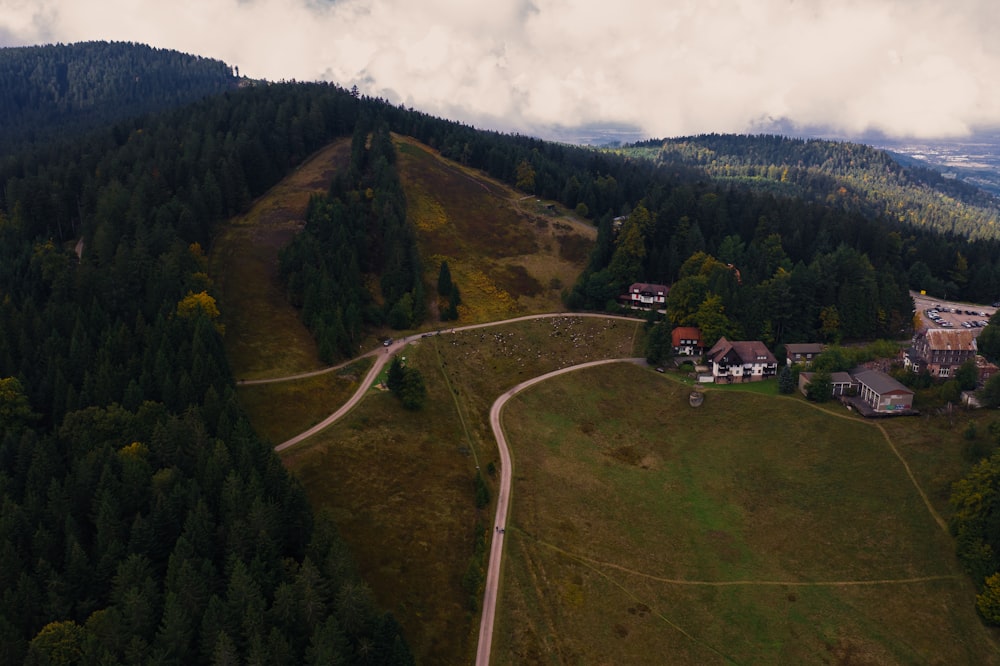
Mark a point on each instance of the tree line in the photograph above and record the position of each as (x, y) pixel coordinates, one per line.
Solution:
(62, 89)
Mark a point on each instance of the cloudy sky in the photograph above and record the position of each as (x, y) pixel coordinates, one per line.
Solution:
(906, 68)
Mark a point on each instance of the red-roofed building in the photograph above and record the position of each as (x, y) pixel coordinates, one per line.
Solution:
(686, 341)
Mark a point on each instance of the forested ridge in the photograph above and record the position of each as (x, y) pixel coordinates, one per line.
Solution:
(845, 175)
(141, 517)
(55, 90)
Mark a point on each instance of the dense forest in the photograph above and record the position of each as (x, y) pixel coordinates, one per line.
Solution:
(141, 517)
(57, 90)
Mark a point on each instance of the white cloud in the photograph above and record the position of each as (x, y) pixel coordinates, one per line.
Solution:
(905, 67)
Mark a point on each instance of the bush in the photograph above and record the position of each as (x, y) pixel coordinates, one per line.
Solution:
(988, 601)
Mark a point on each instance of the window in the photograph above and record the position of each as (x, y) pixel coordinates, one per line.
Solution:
(944, 372)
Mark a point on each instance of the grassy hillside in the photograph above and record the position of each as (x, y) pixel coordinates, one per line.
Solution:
(509, 254)
(401, 484)
(750, 530)
(264, 335)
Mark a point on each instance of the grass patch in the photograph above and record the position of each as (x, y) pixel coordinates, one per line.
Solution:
(764, 387)
(265, 336)
(734, 532)
(282, 410)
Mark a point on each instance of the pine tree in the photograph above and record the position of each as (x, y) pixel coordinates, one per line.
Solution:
(394, 378)
(444, 280)
(786, 380)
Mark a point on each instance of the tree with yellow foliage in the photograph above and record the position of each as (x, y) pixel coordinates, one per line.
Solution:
(194, 304)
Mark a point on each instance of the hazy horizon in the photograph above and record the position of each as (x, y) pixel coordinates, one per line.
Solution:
(892, 68)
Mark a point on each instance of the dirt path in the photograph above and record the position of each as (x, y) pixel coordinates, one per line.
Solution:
(747, 582)
(892, 447)
(383, 354)
(503, 505)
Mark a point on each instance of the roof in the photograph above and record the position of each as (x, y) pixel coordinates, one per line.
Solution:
(841, 378)
(803, 348)
(644, 287)
(951, 338)
(685, 333)
(748, 351)
(835, 377)
(879, 382)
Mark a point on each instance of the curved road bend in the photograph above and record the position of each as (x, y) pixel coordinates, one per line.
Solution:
(382, 358)
(503, 503)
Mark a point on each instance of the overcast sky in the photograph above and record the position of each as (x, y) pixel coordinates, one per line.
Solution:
(923, 68)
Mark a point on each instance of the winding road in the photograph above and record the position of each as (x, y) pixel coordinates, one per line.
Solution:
(381, 357)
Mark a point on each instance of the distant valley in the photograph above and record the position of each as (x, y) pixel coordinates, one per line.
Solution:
(975, 160)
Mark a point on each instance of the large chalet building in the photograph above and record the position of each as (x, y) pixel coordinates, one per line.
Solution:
(940, 351)
(741, 361)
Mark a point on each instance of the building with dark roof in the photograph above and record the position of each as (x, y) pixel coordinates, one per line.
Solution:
(741, 361)
(841, 383)
(647, 295)
(803, 352)
(881, 392)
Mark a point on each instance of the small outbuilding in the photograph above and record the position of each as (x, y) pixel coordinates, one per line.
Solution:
(802, 353)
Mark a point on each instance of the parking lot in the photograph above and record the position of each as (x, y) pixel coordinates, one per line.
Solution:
(936, 313)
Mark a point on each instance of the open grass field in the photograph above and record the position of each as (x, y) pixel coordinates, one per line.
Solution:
(400, 483)
(509, 254)
(752, 529)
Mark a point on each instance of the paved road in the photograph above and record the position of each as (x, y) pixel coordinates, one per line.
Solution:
(503, 504)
